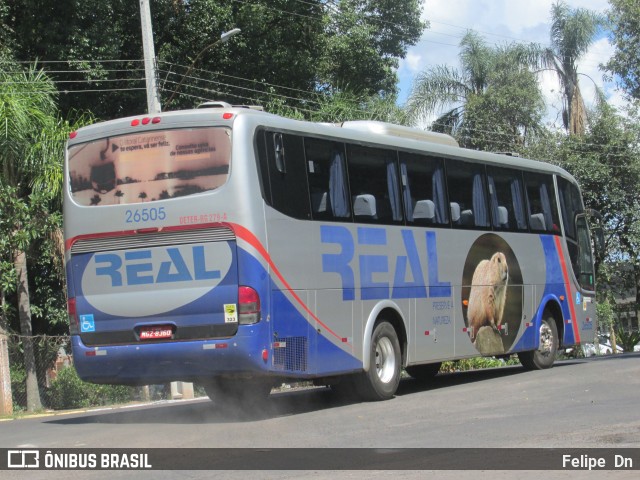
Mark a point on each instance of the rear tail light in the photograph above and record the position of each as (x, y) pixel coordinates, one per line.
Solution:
(248, 306)
(74, 327)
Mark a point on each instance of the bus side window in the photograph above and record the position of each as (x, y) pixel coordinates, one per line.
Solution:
(466, 186)
(328, 186)
(570, 206)
(543, 210)
(287, 174)
(423, 189)
(506, 199)
(375, 185)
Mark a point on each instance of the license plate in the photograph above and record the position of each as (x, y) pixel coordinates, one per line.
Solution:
(155, 333)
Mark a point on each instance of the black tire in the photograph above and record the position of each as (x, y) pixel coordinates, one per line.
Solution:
(545, 355)
(424, 373)
(385, 365)
(237, 392)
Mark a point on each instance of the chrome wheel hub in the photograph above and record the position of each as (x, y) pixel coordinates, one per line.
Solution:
(385, 360)
(546, 340)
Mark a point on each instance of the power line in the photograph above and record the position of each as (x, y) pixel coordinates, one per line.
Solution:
(88, 81)
(576, 148)
(22, 62)
(252, 99)
(239, 78)
(262, 92)
(66, 91)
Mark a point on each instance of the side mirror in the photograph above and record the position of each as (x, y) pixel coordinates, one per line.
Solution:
(598, 240)
(598, 232)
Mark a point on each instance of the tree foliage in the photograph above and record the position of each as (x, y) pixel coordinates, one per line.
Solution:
(344, 106)
(31, 153)
(606, 163)
(304, 47)
(492, 102)
(572, 33)
(363, 41)
(624, 25)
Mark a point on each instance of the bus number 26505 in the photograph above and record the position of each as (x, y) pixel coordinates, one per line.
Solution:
(141, 215)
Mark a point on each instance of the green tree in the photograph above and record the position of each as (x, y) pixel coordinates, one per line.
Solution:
(509, 111)
(303, 46)
(31, 152)
(83, 39)
(491, 102)
(624, 25)
(572, 33)
(606, 163)
(342, 106)
(6, 35)
(363, 41)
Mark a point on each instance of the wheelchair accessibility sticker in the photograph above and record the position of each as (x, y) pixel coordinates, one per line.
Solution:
(87, 324)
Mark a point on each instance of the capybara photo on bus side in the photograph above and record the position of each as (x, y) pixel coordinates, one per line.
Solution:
(488, 293)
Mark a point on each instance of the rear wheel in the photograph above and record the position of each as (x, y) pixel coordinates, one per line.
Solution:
(424, 372)
(385, 364)
(545, 355)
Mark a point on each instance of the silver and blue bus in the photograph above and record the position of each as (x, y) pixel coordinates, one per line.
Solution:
(239, 249)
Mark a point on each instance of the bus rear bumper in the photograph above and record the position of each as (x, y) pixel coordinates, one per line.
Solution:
(153, 363)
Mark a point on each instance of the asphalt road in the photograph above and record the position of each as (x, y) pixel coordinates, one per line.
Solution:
(584, 403)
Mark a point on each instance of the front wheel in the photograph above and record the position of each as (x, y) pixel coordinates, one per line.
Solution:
(545, 355)
(385, 364)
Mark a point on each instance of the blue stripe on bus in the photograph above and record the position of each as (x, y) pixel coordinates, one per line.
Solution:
(554, 289)
(291, 322)
(196, 312)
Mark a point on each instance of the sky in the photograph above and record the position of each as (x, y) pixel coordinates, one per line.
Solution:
(500, 22)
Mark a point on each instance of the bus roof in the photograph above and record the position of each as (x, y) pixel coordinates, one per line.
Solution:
(360, 131)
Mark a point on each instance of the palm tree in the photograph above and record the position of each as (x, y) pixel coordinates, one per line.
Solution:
(572, 33)
(484, 69)
(31, 152)
(446, 87)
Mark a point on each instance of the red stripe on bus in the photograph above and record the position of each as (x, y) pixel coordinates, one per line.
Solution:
(565, 274)
(252, 240)
(238, 230)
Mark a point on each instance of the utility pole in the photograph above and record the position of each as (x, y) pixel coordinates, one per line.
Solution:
(153, 97)
(6, 400)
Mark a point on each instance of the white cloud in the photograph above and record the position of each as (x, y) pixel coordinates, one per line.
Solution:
(413, 62)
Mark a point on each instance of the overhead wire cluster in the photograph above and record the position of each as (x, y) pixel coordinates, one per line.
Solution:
(205, 84)
(211, 85)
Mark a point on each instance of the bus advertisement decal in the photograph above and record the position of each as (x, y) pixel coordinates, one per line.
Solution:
(408, 279)
(161, 279)
(492, 294)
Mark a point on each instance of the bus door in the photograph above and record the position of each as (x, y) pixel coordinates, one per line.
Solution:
(584, 296)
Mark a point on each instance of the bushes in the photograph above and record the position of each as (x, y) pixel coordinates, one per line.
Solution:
(627, 339)
(18, 387)
(69, 391)
(476, 364)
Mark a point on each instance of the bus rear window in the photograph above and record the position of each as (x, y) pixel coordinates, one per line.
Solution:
(149, 166)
